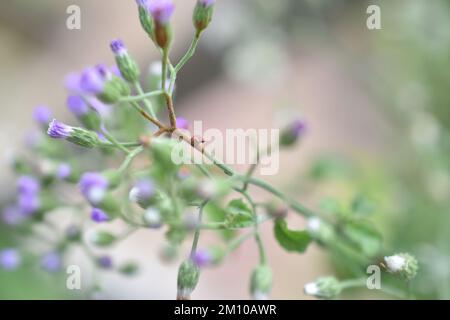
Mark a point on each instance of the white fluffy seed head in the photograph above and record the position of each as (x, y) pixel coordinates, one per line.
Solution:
(395, 263)
(313, 225)
(311, 289)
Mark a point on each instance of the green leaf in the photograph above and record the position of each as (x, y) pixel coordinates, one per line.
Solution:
(291, 240)
(364, 236)
(215, 213)
(363, 206)
(239, 215)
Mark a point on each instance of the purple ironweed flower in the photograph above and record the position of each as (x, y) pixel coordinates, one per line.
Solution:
(105, 262)
(28, 203)
(206, 3)
(77, 105)
(161, 10)
(93, 80)
(182, 123)
(10, 259)
(142, 192)
(59, 130)
(98, 215)
(72, 82)
(42, 115)
(12, 216)
(63, 171)
(202, 258)
(28, 185)
(118, 47)
(93, 186)
(51, 261)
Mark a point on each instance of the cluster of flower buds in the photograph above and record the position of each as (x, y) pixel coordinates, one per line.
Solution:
(323, 288)
(402, 264)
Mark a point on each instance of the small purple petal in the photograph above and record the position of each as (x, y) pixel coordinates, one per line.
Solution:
(98, 215)
(115, 71)
(143, 191)
(206, 3)
(64, 171)
(105, 262)
(182, 123)
(92, 80)
(93, 186)
(118, 47)
(72, 82)
(28, 203)
(28, 185)
(161, 10)
(42, 115)
(202, 258)
(10, 259)
(59, 130)
(77, 105)
(51, 262)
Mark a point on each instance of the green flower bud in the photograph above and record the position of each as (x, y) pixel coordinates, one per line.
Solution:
(127, 65)
(146, 21)
(188, 275)
(320, 230)
(261, 282)
(103, 239)
(113, 90)
(323, 288)
(203, 14)
(402, 264)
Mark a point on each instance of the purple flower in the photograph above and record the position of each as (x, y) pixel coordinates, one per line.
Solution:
(63, 171)
(105, 262)
(161, 10)
(116, 71)
(118, 47)
(202, 258)
(298, 127)
(51, 262)
(28, 185)
(28, 203)
(72, 82)
(93, 186)
(98, 215)
(182, 123)
(59, 130)
(77, 105)
(10, 259)
(142, 192)
(206, 3)
(93, 80)
(42, 115)
(12, 216)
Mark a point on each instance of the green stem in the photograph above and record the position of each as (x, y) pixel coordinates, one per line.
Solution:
(189, 53)
(164, 62)
(116, 143)
(129, 158)
(353, 283)
(142, 96)
(124, 144)
(197, 231)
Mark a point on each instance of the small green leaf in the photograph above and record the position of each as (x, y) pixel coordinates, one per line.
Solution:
(363, 206)
(215, 213)
(291, 240)
(239, 215)
(364, 236)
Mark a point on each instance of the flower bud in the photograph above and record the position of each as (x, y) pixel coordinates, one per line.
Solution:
(203, 14)
(103, 239)
(127, 65)
(323, 288)
(161, 11)
(261, 282)
(42, 115)
(78, 136)
(188, 275)
(320, 230)
(99, 216)
(152, 218)
(145, 18)
(87, 115)
(292, 133)
(51, 262)
(142, 193)
(402, 264)
(104, 262)
(99, 81)
(277, 210)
